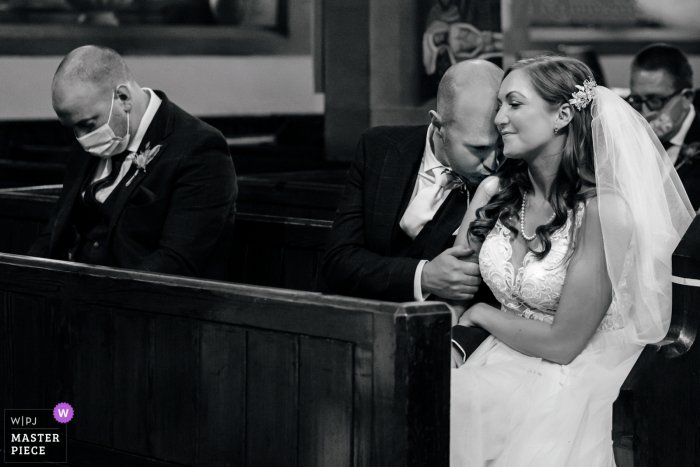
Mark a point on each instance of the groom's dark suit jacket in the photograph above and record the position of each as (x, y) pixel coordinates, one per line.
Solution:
(368, 255)
(689, 172)
(176, 217)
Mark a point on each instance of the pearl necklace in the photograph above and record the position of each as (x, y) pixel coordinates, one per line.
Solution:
(522, 223)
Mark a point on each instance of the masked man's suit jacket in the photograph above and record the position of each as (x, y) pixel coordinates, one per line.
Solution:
(176, 217)
(368, 254)
(689, 170)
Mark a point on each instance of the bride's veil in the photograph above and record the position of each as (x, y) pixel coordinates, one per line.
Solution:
(644, 212)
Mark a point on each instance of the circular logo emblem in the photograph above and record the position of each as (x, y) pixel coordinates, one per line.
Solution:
(63, 413)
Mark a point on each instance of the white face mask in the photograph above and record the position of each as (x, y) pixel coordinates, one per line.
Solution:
(669, 119)
(102, 142)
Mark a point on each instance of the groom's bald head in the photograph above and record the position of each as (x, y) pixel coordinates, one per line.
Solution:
(471, 85)
(466, 136)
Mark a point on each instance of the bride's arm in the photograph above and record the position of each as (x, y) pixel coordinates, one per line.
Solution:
(484, 192)
(585, 298)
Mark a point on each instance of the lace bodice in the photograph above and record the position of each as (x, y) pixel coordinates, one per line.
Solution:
(534, 290)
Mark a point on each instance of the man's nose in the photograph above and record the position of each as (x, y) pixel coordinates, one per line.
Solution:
(647, 113)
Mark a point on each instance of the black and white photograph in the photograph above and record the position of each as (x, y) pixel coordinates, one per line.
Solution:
(350, 233)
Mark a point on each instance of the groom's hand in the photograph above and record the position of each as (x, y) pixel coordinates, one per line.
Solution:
(453, 274)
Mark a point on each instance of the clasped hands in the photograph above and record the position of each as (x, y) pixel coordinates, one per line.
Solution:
(453, 274)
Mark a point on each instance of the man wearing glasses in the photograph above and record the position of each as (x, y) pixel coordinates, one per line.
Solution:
(661, 88)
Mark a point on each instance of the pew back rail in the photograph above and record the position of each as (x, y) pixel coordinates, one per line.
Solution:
(163, 370)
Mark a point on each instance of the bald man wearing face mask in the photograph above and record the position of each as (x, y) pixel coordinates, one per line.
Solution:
(147, 186)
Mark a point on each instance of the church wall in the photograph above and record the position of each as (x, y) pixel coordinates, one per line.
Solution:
(203, 85)
(216, 86)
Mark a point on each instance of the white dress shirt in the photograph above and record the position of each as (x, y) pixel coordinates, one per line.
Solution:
(424, 179)
(104, 168)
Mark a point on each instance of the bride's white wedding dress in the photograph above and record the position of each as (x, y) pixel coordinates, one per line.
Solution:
(512, 410)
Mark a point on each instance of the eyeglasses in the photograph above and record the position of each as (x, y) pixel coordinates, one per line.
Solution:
(653, 103)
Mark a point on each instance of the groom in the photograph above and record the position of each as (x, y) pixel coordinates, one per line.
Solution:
(394, 231)
(147, 186)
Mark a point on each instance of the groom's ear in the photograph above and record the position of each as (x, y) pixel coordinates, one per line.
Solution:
(437, 122)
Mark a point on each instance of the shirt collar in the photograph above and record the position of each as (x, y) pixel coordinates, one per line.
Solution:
(679, 137)
(151, 110)
(430, 162)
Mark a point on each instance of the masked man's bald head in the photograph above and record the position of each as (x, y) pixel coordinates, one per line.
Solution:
(91, 65)
(92, 87)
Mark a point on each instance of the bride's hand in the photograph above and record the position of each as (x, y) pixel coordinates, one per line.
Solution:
(466, 318)
(457, 312)
(456, 358)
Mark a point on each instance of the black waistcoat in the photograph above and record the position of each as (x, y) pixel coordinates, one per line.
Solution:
(91, 221)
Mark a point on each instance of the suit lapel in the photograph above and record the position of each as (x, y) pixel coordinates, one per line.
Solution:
(693, 135)
(86, 164)
(157, 131)
(396, 183)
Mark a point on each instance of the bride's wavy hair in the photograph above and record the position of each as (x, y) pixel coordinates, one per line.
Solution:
(554, 79)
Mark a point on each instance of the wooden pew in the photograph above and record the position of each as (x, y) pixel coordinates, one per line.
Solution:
(169, 371)
(267, 250)
(665, 386)
(313, 194)
(23, 214)
(36, 152)
(278, 251)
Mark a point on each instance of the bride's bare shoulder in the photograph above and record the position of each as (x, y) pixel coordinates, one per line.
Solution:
(489, 187)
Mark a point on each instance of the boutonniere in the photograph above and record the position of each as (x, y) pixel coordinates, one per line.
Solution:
(691, 151)
(142, 159)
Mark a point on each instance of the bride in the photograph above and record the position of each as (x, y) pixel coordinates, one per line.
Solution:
(575, 239)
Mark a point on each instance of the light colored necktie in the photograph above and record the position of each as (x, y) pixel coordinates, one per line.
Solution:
(423, 207)
(103, 193)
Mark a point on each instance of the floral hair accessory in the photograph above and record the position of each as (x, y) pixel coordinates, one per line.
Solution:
(689, 154)
(142, 159)
(584, 95)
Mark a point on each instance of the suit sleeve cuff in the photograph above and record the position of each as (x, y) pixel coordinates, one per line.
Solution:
(456, 345)
(460, 339)
(418, 294)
